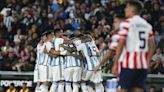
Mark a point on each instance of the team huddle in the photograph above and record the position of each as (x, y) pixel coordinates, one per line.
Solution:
(69, 63)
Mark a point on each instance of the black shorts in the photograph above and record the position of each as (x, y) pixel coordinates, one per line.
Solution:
(132, 78)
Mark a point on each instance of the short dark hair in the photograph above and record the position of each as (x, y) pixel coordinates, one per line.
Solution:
(120, 16)
(57, 30)
(138, 5)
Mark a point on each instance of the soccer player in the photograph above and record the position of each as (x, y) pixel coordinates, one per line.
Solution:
(44, 63)
(90, 52)
(114, 41)
(57, 63)
(40, 48)
(136, 37)
(72, 71)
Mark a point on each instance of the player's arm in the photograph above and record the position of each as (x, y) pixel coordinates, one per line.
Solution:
(119, 50)
(151, 47)
(70, 49)
(123, 31)
(57, 53)
(106, 57)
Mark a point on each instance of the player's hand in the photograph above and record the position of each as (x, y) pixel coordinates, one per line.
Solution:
(55, 56)
(97, 67)
(68, 53)
(61, 45)
(114, 69)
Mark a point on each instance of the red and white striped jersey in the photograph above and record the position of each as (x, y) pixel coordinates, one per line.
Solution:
(114, 41)
(136, 31)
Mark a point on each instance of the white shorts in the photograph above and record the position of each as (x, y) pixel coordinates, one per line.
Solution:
(94, 77)
(43, 72)
(56, 73)
(36, 74)
(73, 74)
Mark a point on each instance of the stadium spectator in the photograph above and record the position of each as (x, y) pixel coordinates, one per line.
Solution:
(161, 43)
(24, 88)
(12, 88)
(152, 88)
(157, 62)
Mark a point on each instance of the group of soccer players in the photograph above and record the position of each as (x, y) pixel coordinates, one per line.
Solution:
(67, 62)
(70, 62)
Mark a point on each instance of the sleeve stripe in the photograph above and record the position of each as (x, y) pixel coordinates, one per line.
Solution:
(151, 35)
(123, 35)
(125, 28)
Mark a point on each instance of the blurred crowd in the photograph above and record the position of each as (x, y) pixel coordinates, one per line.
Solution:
(25, 20)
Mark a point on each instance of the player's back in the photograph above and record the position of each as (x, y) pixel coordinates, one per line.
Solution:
(138, 35)
(137, 32)
(56, 45)
(71, 61)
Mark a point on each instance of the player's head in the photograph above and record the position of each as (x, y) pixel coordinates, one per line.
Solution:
(12, 86)
(43, 39)
(48, 35)
(57, 32)
(117, 20)
(133, 8)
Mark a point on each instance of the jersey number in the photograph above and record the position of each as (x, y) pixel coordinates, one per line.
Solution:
(142, 39)
(91, 50)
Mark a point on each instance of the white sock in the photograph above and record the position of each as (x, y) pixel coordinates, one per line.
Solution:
(84, 87)
(102, 87)
(44, 88)
(75, 87)
(53, 87)
(68, 87)
(37, 88)
(99, 88)
(90, 89)
(61, 87)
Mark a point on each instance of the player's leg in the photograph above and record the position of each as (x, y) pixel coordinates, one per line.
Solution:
(61, 86)
(36, 78)
(37, 86)
(68, 79)
(83, 86)
(126, 80)
(139, 80)
(97, 80)
(54, 85)
(85, 77)
(44, 78)
(77, 71)
(68, 87)
(61, 77)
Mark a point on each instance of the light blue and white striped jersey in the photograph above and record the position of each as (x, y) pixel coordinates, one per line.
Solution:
(89, 50)
(59, 60)
(102, 54)
(40, 54)
(71, 61)
(45, 57)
